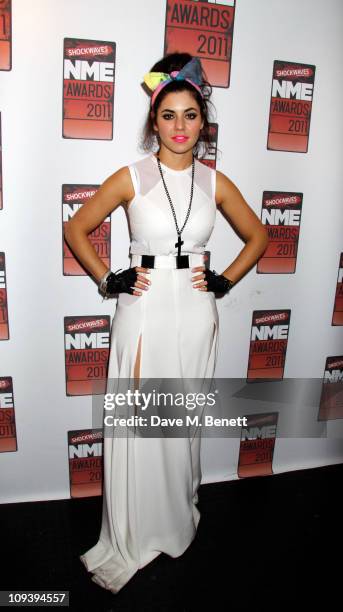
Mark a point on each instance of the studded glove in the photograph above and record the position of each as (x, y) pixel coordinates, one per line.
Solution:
(217, 282)
(113, 283)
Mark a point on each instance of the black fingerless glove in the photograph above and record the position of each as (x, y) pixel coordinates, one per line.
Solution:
(119, 283)
(217, 282)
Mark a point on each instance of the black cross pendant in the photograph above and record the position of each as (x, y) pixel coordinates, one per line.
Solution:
(178, 245)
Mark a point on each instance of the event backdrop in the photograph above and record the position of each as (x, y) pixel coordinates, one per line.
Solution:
(72, 109)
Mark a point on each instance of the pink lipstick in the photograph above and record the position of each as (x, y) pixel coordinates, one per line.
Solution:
(180, 138)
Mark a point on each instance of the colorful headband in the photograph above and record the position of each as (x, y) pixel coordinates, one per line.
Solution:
(191, 72)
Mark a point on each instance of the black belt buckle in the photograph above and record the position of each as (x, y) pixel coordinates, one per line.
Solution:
(148, 261)
(182, 261)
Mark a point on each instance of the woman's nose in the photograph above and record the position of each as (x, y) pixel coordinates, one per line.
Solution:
(180, 123)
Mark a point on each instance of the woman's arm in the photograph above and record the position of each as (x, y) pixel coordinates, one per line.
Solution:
(115, 189)
(246, 224)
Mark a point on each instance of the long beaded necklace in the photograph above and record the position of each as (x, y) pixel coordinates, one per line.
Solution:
(179, 231)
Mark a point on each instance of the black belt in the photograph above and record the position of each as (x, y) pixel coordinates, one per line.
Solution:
(148, 261)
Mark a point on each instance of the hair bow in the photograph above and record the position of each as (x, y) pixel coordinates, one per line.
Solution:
(191, 72)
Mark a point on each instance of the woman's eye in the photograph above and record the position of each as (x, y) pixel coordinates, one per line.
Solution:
(189, 116)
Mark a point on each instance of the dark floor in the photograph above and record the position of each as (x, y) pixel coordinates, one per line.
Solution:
(267, 543)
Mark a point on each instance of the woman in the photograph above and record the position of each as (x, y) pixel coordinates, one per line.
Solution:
(166, 320)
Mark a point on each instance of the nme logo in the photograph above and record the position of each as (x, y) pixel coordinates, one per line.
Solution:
(333, 376)
(87, 348)
(331, 400)
(85, 455)
(95, 340)
(257, 445)
(6, 400)
(85, 450)
(268, 344)
(84, 71)
(290, 106)
(281, 214)
(74, 196)
(275, 216)
(265, 332)
(88, 89)
(258, 433)
(8, 435)
(293, 91)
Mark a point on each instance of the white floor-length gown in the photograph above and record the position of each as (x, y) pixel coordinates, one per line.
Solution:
(150, 484)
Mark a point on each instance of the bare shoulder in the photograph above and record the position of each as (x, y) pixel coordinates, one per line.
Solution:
(225, 188)
(115, 190)
(120, 183)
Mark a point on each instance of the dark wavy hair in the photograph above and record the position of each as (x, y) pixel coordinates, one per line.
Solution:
(170, 62)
